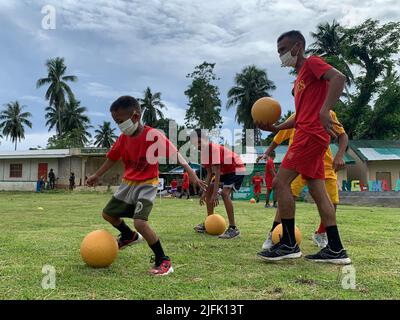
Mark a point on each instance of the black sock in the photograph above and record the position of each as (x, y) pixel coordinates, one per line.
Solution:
(274, 225)
(288, 236)
(158, 252)
(126, 232)
(333, 238)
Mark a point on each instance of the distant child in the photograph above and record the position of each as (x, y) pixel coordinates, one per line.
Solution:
(257, 182)
(185, 186)
(174, 187)
(72, 181)
(138, 190)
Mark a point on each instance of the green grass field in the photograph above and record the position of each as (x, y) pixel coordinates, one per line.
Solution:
(205, 267)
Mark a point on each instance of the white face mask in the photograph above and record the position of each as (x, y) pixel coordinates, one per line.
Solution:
(128, 127)
(288, 60)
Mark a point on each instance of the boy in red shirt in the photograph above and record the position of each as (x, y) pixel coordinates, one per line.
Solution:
(226, 168)
(174, 187)
(139, 148)
(257, 182)
(185, 186)
(270, 174)
(316, 90)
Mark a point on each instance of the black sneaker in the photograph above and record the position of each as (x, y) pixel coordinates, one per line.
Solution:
(200, 228)
(280, 251)
(327, 255)
(230, 233)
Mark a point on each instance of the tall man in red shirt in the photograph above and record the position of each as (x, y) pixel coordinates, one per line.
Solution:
(257, 182)
(270, 174)
(317, 89)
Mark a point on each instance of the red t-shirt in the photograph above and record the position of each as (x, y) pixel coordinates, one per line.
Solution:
(219, 155)
(310, 93)
(140, 154)
(185, 184)
(270, 166)
(257, 181)
(174, 184)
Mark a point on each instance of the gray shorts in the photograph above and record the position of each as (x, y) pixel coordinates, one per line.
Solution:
(132, 201)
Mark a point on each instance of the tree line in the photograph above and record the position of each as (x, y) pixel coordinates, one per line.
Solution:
(368, 109)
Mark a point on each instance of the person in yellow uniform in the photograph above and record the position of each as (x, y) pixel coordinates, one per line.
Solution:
(331, 164)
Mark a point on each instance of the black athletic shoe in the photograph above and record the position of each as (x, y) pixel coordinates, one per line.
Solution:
(326, 255)
(279, 252)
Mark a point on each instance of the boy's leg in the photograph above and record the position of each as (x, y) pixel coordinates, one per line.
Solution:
(267, 196)
(210, 209)
(143, 196)
(232, 231)
(334, 252)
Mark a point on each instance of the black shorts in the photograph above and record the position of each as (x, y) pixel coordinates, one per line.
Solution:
(232, 180)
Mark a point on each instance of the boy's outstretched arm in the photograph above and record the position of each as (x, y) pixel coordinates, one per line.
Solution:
(192, 175)
(94, 179)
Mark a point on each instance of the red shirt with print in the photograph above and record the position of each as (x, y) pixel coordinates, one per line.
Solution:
(229, 161)
(140, 154)
(310, 93)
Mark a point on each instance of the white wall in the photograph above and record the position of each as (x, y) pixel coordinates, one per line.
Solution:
(29, 168)
(17, 186)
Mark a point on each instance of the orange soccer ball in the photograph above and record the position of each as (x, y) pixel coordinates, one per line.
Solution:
(253, 200)
(215, 224)
(277, 234)
(266, 110)
(99, 249)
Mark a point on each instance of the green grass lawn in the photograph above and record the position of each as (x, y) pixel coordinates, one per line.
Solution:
(205, 267)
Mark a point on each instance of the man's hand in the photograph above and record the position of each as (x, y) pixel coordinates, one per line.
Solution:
(214, 200)
(198, 182)
(202, 199)
(327, 123)
(266, 126)
(93, 180)
(338, 163)
(262, 157)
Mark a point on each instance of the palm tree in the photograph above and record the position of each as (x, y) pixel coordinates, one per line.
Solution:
(105, 136)
(58, 88)
(251, 84)
(329, 39)
(151, 105)
(13, 121)
(72, 117)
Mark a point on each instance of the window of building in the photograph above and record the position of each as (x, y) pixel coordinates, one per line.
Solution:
(16, 170)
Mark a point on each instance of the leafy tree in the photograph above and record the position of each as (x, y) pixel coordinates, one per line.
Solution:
(204, 102)
(75, 138)
(13, 122)
(371, 47)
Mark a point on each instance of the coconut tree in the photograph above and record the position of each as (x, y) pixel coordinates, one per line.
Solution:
(13, 121)
(251, 84)
(151, 105)
(105, 136)
(58, 88)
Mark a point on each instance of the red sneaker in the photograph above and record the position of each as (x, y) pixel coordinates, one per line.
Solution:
(122, 244)
(165, 268)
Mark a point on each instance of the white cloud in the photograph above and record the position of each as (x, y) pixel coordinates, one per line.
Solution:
(100, 90)
(97, 114)
(32, 140)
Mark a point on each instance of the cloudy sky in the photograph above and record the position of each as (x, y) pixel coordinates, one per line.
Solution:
(119, 47)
